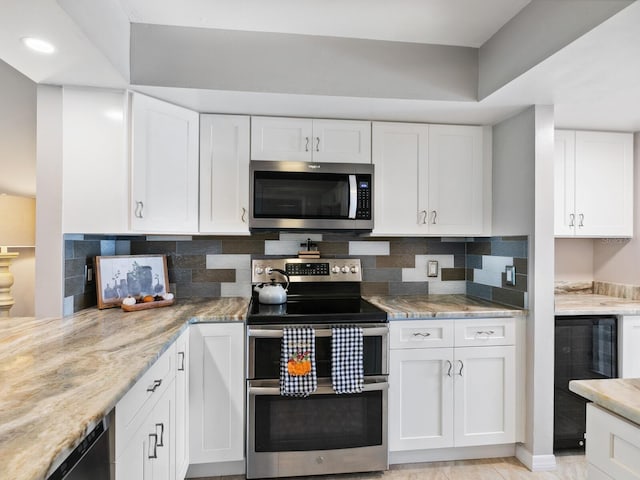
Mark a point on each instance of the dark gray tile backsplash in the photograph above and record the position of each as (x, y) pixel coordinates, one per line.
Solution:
(211, 266)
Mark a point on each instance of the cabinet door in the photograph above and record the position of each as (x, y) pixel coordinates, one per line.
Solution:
(279, 138)
(161, 448)
(216, 393)
(564, 183)
(131, 465)
(485, 395)
(224, 174)
(629, 352)
(400, 157)
(95, 162)
(181, 426)
(341, 141)
(421, 399)
(604, 184)
(455, 180)
(164, 183)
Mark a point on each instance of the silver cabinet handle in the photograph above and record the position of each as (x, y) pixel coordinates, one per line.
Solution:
(139, 209)
(154, 387)
(161, 434)
(435, 215)
(317, 144)
(424, 216)
(485, 332)
(450, 367)
(243, 217)
(461, 367)
(572, 220)
(581, 221)
(153, 440)
(421, 334)
(181, 367)
(306, 145)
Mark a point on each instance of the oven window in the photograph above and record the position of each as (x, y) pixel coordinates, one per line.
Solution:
(267, 357)
(318, 422)
(300, 195)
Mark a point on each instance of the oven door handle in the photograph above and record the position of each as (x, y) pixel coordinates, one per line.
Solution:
(353, 196)
(319, 332)
(321, 390)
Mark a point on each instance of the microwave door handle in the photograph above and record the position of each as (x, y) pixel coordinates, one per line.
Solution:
(353, 196)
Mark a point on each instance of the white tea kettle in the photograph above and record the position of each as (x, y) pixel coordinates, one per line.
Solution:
(272, 293)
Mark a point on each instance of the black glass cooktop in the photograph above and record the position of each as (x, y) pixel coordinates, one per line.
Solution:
(316, 310)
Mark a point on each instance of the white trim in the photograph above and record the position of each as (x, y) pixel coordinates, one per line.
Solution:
(199, 470)
(447, 454)
(535, 463)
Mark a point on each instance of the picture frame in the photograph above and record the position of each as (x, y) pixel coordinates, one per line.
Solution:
(120, 276)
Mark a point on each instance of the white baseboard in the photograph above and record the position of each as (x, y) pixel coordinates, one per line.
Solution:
(198, 470)
(448, 454)
(535, 463)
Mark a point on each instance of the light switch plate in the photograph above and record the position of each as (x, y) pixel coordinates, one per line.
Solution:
(510, 275)
(432, 268)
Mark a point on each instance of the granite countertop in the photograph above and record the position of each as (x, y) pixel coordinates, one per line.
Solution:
(590, 304)
(440, 306)
(618, 395)
(60, 376)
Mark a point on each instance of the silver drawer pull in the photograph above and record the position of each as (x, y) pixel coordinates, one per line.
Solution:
(154, 387)
(421, 334)
(461, 367)
(450, 367)
(485, 332)
(181, 367)
(161, 434)
(153, 442)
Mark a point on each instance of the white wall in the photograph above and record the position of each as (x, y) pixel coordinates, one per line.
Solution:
(18, 170)
(574, 258)
(523, 205)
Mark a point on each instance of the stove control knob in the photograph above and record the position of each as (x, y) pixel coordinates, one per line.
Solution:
(259, 270)
(345, 269)
(335, 269)
(354, 269)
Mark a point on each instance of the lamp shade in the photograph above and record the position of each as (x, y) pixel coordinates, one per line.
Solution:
(17, 221)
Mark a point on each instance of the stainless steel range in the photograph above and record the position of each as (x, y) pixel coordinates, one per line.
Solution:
(324, 432)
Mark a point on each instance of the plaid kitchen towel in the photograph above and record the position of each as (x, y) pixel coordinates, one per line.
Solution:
(298, 362)
(347, 371)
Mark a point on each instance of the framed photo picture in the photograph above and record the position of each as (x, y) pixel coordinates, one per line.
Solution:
(120, 276)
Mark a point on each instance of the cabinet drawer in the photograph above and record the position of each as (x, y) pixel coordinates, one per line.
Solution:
(613, 444)
(485, 332)
(421, 334)
(136, 404)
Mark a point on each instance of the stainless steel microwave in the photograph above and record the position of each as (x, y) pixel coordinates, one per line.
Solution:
(310, 196)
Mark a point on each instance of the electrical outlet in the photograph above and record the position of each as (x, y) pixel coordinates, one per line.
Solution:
(510, 275)
(432, 268)
(88, 274)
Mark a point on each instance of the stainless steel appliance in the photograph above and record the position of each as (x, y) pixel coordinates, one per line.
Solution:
(324, 432)
(303, 195)
(585, 348)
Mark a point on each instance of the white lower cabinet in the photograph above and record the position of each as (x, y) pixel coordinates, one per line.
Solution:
(613, 445)
(452, 395)
(145, 439)
(216, 393)
(629, 328)
(182, 405)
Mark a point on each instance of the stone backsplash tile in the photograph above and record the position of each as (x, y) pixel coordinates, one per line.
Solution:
(213, 266)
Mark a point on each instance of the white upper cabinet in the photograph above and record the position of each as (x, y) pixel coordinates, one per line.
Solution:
(310, 140)
(95, 164)
(164, 167)
(593, 184)
(224, 174)
(429, 179)
(455, 180)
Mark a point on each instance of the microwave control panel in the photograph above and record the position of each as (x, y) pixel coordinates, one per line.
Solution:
(363, 209)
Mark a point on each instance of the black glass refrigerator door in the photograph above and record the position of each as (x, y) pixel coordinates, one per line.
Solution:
(585, 348)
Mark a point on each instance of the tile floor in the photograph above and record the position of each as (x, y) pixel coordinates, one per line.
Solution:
(569, 467)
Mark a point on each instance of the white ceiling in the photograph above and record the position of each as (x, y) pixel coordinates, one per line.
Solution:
(594, 82)
(467, 23)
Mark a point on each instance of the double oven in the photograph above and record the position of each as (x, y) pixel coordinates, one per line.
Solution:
(324, 432)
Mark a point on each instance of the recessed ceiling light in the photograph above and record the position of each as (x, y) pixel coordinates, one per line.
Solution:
(38, 45)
